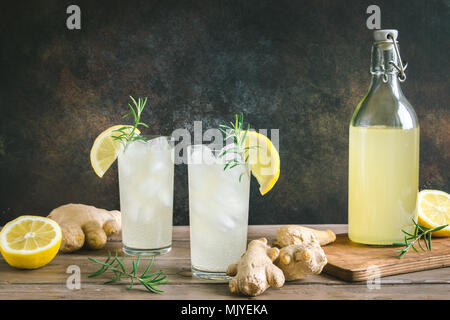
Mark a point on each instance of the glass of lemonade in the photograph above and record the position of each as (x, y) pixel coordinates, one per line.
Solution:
(146, 170)
(218, 211)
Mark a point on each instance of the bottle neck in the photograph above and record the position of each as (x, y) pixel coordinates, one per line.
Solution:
(389, 82)
(384, 74)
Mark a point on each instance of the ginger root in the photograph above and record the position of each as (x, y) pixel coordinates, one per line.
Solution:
(81, 222)
(295, 234)
(301, 252)
(299, 260)
(255, 271)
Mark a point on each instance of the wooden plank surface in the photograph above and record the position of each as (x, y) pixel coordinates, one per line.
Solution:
(355, 262)
(49, 282)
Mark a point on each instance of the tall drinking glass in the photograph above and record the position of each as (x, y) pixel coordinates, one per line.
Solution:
(146, 171)
(218, 212)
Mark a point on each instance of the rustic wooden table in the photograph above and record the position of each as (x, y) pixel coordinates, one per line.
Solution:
(49, 282)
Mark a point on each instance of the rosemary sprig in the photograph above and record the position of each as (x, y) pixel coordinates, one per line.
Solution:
(420, 233)
(237, 134)
(149, 281)
(126, 135)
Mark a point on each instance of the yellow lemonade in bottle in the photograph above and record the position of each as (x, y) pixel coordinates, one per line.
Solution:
(383, 167)
(383, 183)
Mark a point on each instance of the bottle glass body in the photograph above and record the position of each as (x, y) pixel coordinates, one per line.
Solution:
(383, 157)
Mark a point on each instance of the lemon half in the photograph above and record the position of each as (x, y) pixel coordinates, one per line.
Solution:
(30, 242)
(434, 211)
(264, 160)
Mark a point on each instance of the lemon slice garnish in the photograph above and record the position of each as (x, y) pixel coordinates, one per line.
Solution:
(106, 149)
(264, 160)
(30, 242)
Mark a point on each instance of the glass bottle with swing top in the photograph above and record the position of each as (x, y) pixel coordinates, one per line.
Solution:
(383, 152)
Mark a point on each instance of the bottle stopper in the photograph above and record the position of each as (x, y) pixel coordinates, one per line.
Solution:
(382, 35)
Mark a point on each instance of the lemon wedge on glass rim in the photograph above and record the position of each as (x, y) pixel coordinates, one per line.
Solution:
(434, 210)
(105, 149)
(30, 242)
(264, 160)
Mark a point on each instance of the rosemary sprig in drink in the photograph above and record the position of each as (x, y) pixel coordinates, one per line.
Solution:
(126, 135)
(420, 233)
(149, 281)
(237, 134)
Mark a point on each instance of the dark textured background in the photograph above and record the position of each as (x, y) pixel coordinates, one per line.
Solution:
(300, 66)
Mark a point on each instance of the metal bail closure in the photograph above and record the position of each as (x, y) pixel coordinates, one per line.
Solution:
(401, 69)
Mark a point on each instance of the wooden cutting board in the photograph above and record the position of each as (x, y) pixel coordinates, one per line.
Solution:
(354, 262)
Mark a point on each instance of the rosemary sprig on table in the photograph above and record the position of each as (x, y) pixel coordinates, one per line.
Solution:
(420, 233)
(237, 134)
(126, 135)
(149, 281)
